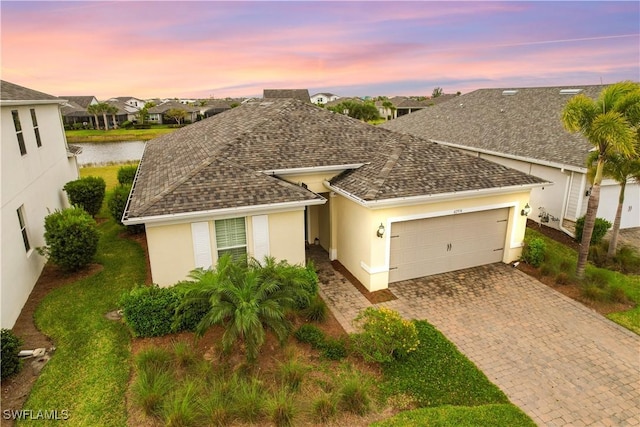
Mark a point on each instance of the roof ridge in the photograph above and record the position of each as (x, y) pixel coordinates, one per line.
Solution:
(392, 160)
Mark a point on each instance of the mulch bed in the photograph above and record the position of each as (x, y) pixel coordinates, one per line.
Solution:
(552, 233)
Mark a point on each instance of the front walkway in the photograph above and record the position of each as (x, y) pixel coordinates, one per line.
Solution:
(562, 363)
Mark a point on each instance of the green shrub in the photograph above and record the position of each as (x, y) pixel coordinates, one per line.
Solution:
(533, 252)
(310, 334)
(10, 344)
(180, 408)
(385, 335)
(126, 124)
(597, 277)
(628, 260)
(563, 278)
(281, 409)
(190, 311)
(71, 237)
(184, 354)
(353, 396)
(291, 374)
(87, 192)
(149, 310)
(153, 359)
(548, 270)
(316, 311)
(126, 174)
(333, 349)
(324, 408)
(248, 398)
(150, 388)
(600, 228)
(117, 201)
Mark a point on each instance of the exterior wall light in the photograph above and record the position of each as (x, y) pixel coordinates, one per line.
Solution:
(526, 210)
(380, 231)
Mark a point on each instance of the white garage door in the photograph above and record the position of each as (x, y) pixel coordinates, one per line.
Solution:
(436, 245)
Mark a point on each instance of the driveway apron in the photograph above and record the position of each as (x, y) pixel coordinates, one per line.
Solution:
(560, 362)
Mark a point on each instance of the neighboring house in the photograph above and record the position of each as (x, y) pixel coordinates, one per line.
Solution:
(126, 112)
(36, 164)
(270, 177)
(157, 113)
(131, 101)
(216, 106)
(74, 110)
(521, 128)
(323, 98)
(299, 94)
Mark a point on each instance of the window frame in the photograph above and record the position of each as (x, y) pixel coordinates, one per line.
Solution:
(17, 125)
(222, 250)
(22, 221)
(36, 128)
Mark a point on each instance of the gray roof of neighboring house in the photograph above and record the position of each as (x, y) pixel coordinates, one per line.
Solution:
(72, 109)
(13, 92)
(82, 101)
(300, 94)
(522, 123)
(166, 106)
(224, 161)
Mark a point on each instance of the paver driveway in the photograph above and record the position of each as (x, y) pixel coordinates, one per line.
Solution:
(562, 363)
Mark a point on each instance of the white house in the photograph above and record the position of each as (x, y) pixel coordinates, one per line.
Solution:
(323, 98)
(36, 164)
(521, 128)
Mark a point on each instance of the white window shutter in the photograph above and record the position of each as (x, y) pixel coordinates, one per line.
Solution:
(201, 244)
(260, 226)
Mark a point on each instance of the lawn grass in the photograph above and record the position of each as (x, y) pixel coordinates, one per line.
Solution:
(89, 371)
(115, 135)
(562, 259)
(495, 415)
(109, 173)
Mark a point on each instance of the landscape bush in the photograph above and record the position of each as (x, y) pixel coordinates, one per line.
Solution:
(117, 201)
(334, 349)
(87, 192)
(316, 311)
(385, 336)
(600, 228)
(71, 237)
(533, 252)
(10, 363)
(149, 310)
(310, 334)
(126, 174)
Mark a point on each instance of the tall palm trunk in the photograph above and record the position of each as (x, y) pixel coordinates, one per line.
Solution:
(106, 122)
(590, 219)
(613, 243)
(97, 125)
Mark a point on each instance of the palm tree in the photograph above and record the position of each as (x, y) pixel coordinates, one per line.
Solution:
(609, 124)
(94, 110)
(244, 301)
(112, 110)
(622, 169)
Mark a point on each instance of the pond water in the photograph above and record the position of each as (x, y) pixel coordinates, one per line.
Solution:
(109, 152)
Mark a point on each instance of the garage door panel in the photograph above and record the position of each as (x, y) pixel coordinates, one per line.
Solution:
(436, 245)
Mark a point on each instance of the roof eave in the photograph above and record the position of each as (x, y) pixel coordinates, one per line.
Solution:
(223, 213)
(9, 102)
(512, 156)
(434, 198)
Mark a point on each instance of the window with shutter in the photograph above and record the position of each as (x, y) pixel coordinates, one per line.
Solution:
(231, 237)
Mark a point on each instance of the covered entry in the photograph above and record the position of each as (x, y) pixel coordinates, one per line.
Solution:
(436, 245)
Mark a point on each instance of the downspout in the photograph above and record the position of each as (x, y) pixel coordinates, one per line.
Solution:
(564, 205)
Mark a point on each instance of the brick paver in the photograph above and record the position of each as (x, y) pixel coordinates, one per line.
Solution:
(562, 363)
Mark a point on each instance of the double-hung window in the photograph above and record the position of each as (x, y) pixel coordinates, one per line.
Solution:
(18, 127)
(23, 228)
(36, 130)
(231, 237)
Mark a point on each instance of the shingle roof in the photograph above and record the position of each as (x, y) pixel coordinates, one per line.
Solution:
(82, 101)
(13, 92)
(166, 106)
(217, 163)
(300, 94)
(524, 124)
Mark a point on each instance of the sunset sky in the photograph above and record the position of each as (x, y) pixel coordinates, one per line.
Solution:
(207, 48)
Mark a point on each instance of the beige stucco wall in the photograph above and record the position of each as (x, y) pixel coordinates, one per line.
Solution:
(34, 181)
(171, 252)
(366, 256)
